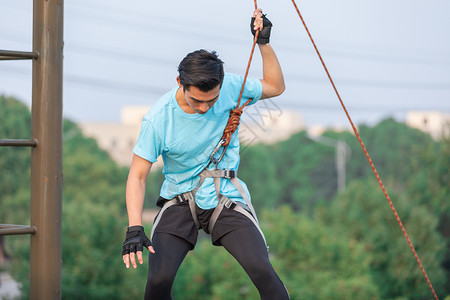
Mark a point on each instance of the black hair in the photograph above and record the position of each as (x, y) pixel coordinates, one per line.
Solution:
(202, 69)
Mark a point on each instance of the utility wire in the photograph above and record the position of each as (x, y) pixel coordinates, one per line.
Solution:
(146, 59)
(97, 83)
(169, 20)
(141, 24)
(116, 87)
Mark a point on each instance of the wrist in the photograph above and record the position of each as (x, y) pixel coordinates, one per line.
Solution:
(131, 224)
(264, 46)
(135, 228)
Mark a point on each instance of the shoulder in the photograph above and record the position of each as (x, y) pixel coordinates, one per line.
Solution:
(232, 86)
(160, 110)
(232, 80)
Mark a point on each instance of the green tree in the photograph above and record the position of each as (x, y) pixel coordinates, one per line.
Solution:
(292, 172)
(14, 165)
(94, 215)
(429, 185)
(351, 249)
(296, 160)
(259, 172)
(14, 161)
(312, 261)
(94, 222)
(391, 146)
(155, 180)
(361, 214)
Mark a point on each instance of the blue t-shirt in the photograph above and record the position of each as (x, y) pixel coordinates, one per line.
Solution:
(186, 141)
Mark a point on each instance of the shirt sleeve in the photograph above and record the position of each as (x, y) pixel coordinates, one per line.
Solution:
(232, 87)
(149, 143)
(253, 89)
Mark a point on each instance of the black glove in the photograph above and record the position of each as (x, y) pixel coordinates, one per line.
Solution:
(135, 239)
(264, 34)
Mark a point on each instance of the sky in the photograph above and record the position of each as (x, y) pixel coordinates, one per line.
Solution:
(386, 57)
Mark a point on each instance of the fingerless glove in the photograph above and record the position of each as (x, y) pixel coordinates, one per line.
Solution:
(135, 239)
(264, 34)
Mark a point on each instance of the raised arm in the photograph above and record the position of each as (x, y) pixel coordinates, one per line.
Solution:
(273, 80)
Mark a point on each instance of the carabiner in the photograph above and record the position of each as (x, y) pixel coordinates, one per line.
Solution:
(221, 156)
(216, 149)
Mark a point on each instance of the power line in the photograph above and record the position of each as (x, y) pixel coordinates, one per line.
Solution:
(126, 88)
(166, 26)
(302, 104)
(379, 84)
(135, 25)
(97, 83)
(145, 59)
(139, 58)
(339, 53)
(115, 87)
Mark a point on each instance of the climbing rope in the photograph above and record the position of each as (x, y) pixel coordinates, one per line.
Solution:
(368, 158)
(235, 114)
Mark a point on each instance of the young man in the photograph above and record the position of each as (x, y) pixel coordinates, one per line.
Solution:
(184, 127)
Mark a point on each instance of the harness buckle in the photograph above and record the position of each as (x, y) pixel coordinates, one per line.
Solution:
(184, 197)
(188, 196)
(180, 198)
(229, 174)
(230, 204)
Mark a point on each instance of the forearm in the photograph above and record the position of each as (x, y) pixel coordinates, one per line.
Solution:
(135, 195)
(273, 79)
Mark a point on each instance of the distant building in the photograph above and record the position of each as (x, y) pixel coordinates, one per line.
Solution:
(118, 139)
(263, 122)
(115, 138)
(318, 130)
(436, 123)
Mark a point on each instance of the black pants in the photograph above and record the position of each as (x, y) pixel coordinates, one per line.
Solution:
(244, 244)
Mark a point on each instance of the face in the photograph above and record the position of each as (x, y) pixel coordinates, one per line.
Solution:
(200, 101)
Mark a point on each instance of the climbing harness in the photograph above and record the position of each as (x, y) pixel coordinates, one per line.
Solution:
(223, 201)
(368, 157)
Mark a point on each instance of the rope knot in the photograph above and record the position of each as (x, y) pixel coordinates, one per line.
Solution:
(232, 124)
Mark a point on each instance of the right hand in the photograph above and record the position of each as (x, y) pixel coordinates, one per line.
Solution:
(261, 23)
(135, 239)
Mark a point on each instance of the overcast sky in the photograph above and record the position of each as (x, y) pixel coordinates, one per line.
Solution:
(386, 57)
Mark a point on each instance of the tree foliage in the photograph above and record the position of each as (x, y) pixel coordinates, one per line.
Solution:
(411, 165)
(361, 214)
(324, 244)
(94, 218)
(14, 162)
(311, 260)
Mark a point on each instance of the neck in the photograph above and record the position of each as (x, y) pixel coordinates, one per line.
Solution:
(181, 100)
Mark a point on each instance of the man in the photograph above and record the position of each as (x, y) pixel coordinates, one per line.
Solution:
(184, 127)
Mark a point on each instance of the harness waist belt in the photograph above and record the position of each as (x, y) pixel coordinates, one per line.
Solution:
(246, 210)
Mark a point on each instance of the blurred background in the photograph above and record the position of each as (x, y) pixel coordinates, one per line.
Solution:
(331, 232)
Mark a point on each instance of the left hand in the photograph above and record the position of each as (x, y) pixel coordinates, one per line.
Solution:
(133, 245)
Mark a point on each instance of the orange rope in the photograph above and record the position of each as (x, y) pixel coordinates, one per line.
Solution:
(369, 159)
(235, 114)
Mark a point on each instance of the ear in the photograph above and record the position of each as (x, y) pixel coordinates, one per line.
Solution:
(178, 81)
